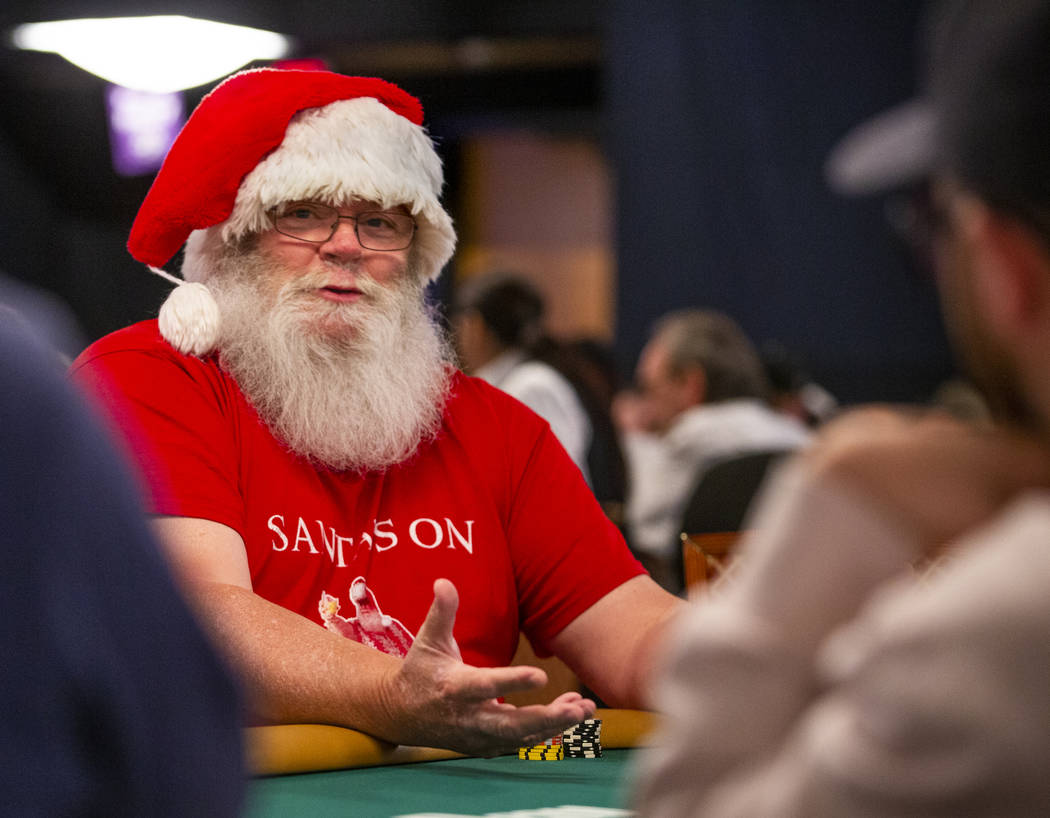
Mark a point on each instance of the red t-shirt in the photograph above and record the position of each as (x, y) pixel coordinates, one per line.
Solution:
(493, 504)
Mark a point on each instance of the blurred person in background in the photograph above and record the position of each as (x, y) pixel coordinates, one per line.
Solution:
(498, 320)
(792, 389)
(591, 367)
(501, 337)
(838, 672)
(702, 399)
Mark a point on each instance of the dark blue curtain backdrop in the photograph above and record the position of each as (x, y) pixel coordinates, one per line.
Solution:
(720, 115)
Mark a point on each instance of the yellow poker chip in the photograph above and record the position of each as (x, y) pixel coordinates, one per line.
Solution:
(541, 752)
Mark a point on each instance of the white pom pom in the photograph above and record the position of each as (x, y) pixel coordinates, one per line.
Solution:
(189, 319)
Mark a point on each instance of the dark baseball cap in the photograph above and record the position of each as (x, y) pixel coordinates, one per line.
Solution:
(983, 114)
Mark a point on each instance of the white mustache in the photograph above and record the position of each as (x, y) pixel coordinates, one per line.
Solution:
(332, 276)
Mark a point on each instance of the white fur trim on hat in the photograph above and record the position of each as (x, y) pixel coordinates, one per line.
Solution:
(353, 149)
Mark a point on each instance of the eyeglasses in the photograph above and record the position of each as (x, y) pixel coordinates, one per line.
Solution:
(315, 222)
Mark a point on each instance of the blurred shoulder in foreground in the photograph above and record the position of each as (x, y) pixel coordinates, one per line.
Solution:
(116, 703)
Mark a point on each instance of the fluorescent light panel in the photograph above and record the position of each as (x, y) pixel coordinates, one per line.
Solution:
(158, 54)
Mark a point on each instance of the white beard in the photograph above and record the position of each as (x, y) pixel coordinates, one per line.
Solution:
(348, 386)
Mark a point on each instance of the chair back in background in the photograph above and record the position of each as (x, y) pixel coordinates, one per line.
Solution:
(716, 514)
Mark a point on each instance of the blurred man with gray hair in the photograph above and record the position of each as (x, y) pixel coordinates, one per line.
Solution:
(702, 400)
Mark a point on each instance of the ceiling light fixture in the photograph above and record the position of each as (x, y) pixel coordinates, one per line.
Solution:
(160, 54)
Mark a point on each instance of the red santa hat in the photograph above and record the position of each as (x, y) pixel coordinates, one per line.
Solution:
(268, 136)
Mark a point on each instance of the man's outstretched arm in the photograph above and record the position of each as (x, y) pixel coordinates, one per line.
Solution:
(296, 671)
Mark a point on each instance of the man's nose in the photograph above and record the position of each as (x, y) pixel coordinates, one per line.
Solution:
(343, 242)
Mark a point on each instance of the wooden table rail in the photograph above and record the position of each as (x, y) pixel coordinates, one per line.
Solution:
(297, 748)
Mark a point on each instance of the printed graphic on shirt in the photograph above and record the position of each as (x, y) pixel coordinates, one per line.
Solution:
(369, 626)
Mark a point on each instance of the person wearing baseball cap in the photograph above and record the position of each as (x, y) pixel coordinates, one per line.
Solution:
(881, 647)
(364, 529)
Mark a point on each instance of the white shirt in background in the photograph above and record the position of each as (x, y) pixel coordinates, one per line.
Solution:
(547, 393)
(664, 470)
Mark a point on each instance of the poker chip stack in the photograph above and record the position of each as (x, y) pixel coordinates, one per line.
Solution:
(550, 750)
(583, 740)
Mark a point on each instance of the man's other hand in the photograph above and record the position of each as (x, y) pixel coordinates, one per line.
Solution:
(439, 701)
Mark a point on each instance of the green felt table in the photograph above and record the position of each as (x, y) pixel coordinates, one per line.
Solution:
(460, 786)
(320, 770)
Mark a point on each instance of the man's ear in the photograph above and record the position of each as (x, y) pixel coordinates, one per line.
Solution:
(1011, 266)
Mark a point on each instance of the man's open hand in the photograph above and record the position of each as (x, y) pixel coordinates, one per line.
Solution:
(438, 701)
